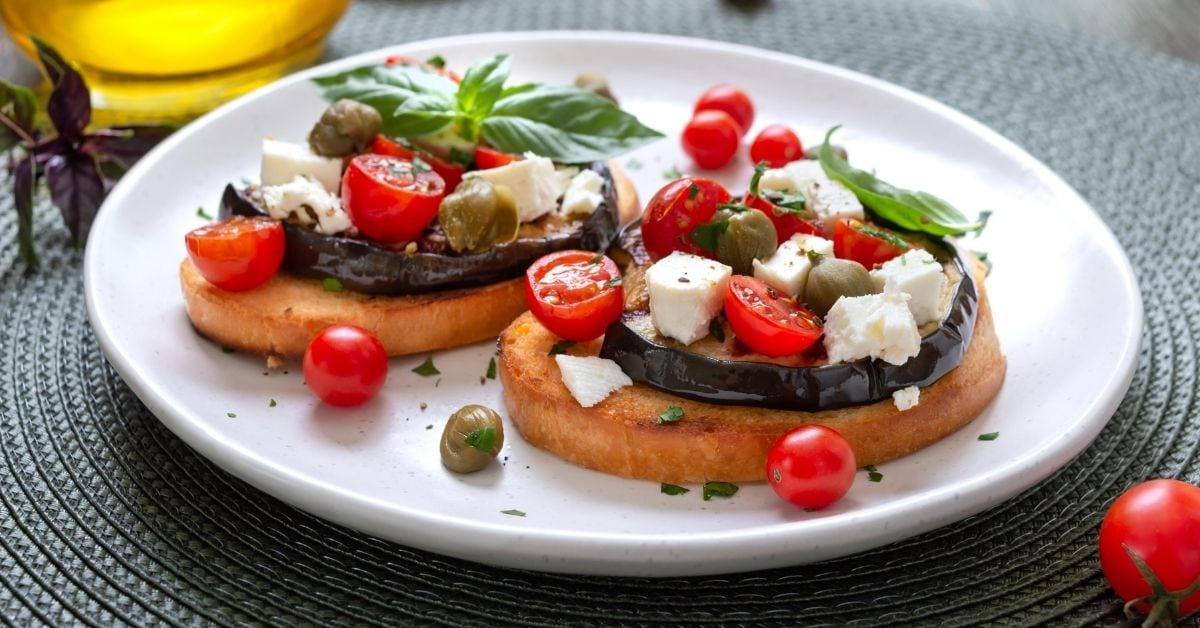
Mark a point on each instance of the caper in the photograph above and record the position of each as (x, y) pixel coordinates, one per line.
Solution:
(346, 126)
(834, 278)
(473, 436)
(478, 216)
(749, 236)
(595, 82)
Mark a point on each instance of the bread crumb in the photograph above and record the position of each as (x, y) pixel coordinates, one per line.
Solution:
(906, 398)
(274, 361)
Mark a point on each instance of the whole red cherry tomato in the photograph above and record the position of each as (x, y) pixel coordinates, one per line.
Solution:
(345, 365)
(486, 158)
(777, 145)
(450, 172)
(865, 243)
(711, 139)
(811, 466)
(675, 210)
(732, 101)
(238, 253)
(1159, 522)
(389, 199)
(768, 322)
(575, 294)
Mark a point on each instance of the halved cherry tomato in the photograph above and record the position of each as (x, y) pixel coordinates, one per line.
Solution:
(866, 244)
(389, 199)
(450, 172)
(777, 145)
(768, 322)
(787, 223)
(486, 158)
(575, 294)
(237, 253)
(811, 466)
(402, 60)
(675, 210)
(345, 365)
(711, 138)
(732, 101)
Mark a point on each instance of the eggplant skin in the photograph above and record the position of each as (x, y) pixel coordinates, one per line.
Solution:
(742, 382)
(369, 268)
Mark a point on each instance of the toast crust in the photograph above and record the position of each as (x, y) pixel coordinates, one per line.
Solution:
(714, 442)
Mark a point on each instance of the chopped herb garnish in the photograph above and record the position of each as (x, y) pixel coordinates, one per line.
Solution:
(873, 474)
(672, 173)
(705, 235)
(882, 234)
(671, 415)
(420, 166)
(491, 371)
(734, 207)
(513, 512)
(984, 217)
(759, 169)
(789, 204)
(272, 404)
(483, 439)
(203, 214)
(693, 191)
(228, 350)
(989, 436)
(633, 164)
(717, 329)
(719, 489)
(614, 282)
(427, 369)
(597, 259)
(437, 61)
(461, 157)
(561, 347)
(231, 415)
(331, 284)
(673, 489)
(429, 427)
(814, 255)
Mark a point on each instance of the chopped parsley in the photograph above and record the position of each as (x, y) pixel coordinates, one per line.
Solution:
(272, 404)
(331, 284)
(483, 439)
(883, 234)
(560, 347)
(231, 415)
(719, 489)
(512, 512)
(693, 191)
(461, 157)
(203, 214)
(672, 173)
(673, 489)
(437, 61)
(705, 235)
(873, 474)
(671, 415)
(734, 207)
(427, 369)
(814, 255)
(420, 166)
(989, 436)
(491, 372)
(789, 204)
(614, 282)
(429, 427)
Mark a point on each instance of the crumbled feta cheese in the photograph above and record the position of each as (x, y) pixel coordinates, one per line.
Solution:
(686, 292)
(284, 161)
(832, 201)
(906, 398)
(306, 202)
(787, 268)
(583, 194)
(793, 177)
(534, 184)
(590, 379)
(917, 274)
(874, 325)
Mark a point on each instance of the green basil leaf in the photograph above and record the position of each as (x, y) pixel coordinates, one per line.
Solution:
(719, 489)
(19, 105)
(481, 86)
(907, 209)
(705, 236)
(566, 124)
(388, 89)
(483, 439)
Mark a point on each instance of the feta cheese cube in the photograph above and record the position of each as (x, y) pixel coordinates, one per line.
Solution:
(686, 292)
(832, 201)
(917, 274)
(787, 269)
(874, 325)
(284, 161)
(793, 177)
(306, 202)
(591, 379)
(583, 194)
(906, 398)
(534, 184)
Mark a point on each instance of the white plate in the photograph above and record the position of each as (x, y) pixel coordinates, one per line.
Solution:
(1066, 305)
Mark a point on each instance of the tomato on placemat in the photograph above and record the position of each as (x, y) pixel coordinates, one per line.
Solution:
(732, 101)
(768, 322)
(777, 145)
(866, 244)
(237, 253)
(450, 172)
(787, 223)
(486, 158)
(711, 139)
(575, 294)
(390, 199)
(345, 365)
(811, 466)
(675, 210)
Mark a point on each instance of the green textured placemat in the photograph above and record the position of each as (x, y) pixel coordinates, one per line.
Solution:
(106, 517)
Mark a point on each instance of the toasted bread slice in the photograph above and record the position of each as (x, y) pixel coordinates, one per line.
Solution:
(714, 442)
(280, 317)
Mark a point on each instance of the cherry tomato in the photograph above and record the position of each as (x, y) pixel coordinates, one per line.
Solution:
(402, 60)
(811, 466)
(866, 244)
(575, 294)
(768, 322)
(390, 199)
(1159, 521)
(732, 101)
(486, 158)
(675, 210)
(787, 223)
(238, 253)
(777, 145)
(345, 365)
(450, 172)
(710, 139)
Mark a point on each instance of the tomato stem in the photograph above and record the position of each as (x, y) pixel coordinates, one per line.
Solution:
(1165, 609)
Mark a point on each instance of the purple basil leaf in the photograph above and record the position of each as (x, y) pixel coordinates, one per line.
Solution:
(70, 104)
(24, 177)
(125, 144)
(77, 190)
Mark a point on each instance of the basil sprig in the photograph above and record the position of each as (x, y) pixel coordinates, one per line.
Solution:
(566, 124)
(907, 209)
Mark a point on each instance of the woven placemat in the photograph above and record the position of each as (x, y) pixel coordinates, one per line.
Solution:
(106, 517)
